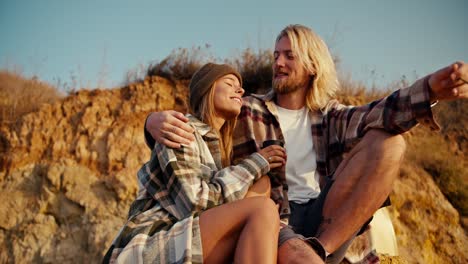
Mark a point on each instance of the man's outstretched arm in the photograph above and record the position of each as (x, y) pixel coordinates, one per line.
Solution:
(403, 109)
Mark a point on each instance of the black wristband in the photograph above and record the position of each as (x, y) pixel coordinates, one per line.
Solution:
(318, 248)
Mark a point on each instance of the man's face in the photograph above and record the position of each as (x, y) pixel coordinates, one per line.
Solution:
(288, 74)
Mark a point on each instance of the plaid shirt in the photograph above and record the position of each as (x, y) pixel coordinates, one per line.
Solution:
(335, 129)
(175, 186)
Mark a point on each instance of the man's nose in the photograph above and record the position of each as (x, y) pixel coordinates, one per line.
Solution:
(279, 62)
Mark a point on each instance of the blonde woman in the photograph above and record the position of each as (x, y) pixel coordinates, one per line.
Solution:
(190, 206)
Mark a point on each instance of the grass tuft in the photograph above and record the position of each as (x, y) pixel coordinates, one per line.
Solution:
(20, 96)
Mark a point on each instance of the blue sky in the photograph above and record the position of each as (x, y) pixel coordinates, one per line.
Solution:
(98, 41)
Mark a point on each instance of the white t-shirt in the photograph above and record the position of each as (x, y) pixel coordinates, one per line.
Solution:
(301, 176)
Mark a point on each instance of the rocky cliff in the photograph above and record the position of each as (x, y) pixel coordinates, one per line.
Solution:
(67, 177)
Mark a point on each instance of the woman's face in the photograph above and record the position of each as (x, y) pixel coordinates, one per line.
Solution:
(228, 97)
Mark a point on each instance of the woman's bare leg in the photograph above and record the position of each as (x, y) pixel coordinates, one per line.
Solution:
(262, 187)
(246, 229)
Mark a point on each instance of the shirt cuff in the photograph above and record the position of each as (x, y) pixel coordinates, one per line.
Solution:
(421, 104)
(256, 165)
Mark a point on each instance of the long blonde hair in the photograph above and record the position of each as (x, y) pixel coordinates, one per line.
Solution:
(314, 56)
(206, 112)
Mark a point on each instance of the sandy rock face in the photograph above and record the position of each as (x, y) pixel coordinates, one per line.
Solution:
(68, 176)
(96, 128)
(68, 172)
(57, 212)
(427, 226)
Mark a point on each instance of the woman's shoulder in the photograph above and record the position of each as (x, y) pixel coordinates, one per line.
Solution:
(195, 122)
(200, 128)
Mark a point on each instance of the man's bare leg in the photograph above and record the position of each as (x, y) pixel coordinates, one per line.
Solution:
(362, 183)
(296, 251)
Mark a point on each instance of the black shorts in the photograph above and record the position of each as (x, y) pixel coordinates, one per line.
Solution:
(304, 221)
(305, 218)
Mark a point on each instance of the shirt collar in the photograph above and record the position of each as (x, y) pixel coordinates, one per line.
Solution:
(204, 129)
(268, 100)
(269, 96)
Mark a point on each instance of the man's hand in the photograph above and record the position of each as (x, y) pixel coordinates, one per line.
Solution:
(275, 155)
(170, 128)
(450, 83)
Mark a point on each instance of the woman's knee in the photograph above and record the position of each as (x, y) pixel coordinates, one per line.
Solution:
(265, 208)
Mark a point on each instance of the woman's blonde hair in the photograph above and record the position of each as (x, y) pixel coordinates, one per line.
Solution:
(313, 54)
(206, 113)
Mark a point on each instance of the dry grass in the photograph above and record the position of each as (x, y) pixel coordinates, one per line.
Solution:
(19, 96)
(181, 64)
(443, 155)
(255, 69)
(356, 93)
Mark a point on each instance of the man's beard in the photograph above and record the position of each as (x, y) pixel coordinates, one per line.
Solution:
(289, 84)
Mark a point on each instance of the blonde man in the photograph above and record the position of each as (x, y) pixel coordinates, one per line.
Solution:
(324, 197)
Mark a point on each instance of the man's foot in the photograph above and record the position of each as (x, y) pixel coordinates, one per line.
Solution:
(296, 250)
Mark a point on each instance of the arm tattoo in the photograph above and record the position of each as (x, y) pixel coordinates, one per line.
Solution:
(327, 220)
(324, 225)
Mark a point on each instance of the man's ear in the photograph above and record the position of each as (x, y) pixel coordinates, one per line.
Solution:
(312, 78)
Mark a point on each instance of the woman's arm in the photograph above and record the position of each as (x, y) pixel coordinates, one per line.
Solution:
(178, 179)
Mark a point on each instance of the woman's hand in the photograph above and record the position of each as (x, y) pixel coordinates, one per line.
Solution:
(275, 155)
